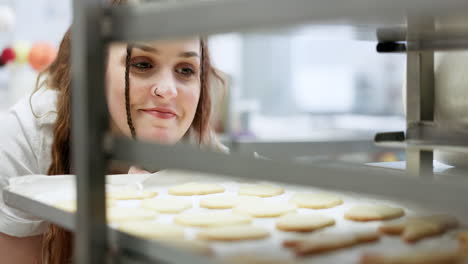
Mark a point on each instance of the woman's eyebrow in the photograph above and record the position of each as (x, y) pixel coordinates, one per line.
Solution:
(185, 54)
(146, 48)
(188, 54)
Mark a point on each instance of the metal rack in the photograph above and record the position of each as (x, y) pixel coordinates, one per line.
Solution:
(96, 25)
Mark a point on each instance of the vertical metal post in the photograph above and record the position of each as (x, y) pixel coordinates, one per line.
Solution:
(419, 92)
(89, 123)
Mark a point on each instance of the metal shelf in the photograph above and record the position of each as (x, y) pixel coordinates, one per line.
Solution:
(370, 180)
(187, 18)
(122, 242)
(425, 136)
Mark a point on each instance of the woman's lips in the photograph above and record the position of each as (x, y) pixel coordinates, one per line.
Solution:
(160, 113)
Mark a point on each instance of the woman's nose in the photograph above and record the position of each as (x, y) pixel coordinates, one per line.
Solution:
(165, 87)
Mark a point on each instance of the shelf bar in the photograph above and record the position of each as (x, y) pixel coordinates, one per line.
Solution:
(293, 149)
(88, 126)
(187, 18)
(369, 181)
(419, 93)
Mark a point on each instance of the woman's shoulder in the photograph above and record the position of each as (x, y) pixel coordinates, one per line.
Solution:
(26, 134)
(38, 108)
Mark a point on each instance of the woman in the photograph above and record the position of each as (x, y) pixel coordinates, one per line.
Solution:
(169, 101)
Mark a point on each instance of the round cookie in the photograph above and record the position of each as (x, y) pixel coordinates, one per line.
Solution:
(303, 223)
(168, 205)
(315, 200)
(226, 201)
(121, 214)
(195, 188)
(265, 209)
(70, 205)
(152, 230)
(261, 190)
(363, 213)
(211, 219)
(130, 194)
(329, 242)
(233, 233)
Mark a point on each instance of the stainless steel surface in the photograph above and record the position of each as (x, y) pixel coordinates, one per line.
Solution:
(419, 93)
(292, 149)
(369, 181)
(430, 136)
(148, 250)
(174, 19)
(449, 38)
(451, 104)
(89, 123)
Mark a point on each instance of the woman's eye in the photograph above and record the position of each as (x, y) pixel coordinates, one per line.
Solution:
(142, 65)
(185, 71)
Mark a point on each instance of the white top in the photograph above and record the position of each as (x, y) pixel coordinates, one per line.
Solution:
(25, 148)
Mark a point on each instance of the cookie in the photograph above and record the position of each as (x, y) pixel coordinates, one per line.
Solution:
(226, 201)
(70, 205)
(260, 190)
(122, 214)
(329, 242)
(167, 205)
(233, 233)
(303, 223)
(195, 188)
(264, 209)
(211, 219)
(315, 200)
(416, 228)
(130, 194)
(363, 213)
(152, 230)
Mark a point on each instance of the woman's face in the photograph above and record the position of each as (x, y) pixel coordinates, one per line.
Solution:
(164, 88)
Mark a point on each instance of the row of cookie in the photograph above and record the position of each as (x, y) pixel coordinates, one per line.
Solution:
(304, 200)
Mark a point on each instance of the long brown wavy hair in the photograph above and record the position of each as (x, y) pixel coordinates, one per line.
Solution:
(57, 245)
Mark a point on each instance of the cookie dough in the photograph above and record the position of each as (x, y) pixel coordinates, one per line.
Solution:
(130, 194)
(233, 233)
(416, 228)
(329, 242)
(364, 213)
(168, 205)
(303, 223)
(261, 190)
(122, 214)
(211, 219)
(70, 205)
(195, 188)
(227, 201)
(315, 200)
(152, 230)
(265, 209)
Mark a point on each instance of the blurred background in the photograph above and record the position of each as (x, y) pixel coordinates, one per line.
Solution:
(322, 88)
